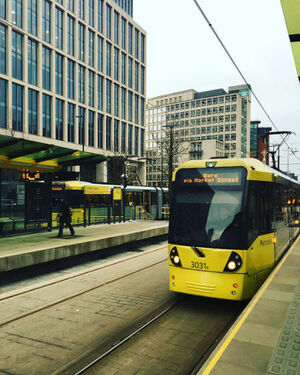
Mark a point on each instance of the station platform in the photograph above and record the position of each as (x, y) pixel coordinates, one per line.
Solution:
(266, 337)
(32, 249)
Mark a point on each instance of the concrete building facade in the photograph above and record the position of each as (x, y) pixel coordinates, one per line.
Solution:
(72, 74)
(207, 124)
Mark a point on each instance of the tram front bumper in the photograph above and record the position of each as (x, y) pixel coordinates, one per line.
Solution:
(232, 286)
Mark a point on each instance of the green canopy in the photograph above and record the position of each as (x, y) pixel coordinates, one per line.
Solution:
(21, 153)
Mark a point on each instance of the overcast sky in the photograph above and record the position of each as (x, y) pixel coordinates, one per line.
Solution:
(183, 53)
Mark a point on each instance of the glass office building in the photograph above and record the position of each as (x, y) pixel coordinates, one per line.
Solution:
(69, 70)
(72, 77)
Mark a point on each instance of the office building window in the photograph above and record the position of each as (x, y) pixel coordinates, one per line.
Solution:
(130, 31)
(108, 133)
(137, 41)
(91, 89)
(108, 21)
(142, 111)
(71, 118)
(100, 92)
(91, 127)
(123, 137)
(32, 62)
(116, 136)
(100, 130)
(108, 96)
(136, 141)
(136, 109)
(142, 80)
(70, 36)
(17, 107)
(130, 72)
(2, 49)
(129, 106)
(91, 13)
(91, 47)
(81, 29)
(81, 125)
(123, 37)
(81, 84)
(16, 12)
(123, 68)
(142, 142)
(116, 27)
(100, 16)
(59, 119)
(116, 64)
(80, 7)
(108, 59)
(123, 103)
(3, 106)
(46, 68)
(46, 21)
(70, 79)
(59, 28)
(59, 74)
(3, 9)
(17, 54)
(71, 5)
(100, 54)
(116, 100)
(129, 139)
(32, 17)
(46, 116)
(136, 77)
(143, 48)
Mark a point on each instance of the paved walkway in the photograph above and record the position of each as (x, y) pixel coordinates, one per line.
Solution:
(266, 337)
(30, 249)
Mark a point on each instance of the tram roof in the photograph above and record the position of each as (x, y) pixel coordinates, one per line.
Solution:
(20, 153)
(291, 11)
(256, 169)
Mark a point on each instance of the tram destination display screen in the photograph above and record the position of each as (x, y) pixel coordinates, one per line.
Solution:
(211, 177)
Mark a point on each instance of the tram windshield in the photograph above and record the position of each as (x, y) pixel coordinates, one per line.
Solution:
(207, 208)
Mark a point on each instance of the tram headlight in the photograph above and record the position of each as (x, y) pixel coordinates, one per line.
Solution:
(234, 262)
(174, 256)
(232, 265)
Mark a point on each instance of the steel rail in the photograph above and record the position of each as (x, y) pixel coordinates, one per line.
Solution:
(127, 338)
(74, 295)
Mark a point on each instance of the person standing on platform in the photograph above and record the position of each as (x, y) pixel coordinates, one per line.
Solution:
(65, 217)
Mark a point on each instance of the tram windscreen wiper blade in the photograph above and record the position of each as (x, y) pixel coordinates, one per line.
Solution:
(198, 252)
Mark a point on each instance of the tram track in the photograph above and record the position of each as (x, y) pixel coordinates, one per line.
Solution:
(194, 358)
(58, 335)
(124, 340)
(54, 282)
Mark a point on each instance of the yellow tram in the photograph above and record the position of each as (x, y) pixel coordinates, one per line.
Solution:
(231, 220)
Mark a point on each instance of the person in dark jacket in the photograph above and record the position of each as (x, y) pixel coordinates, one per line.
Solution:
(65, 217)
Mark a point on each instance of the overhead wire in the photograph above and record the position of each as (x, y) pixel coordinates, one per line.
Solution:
(241, 74)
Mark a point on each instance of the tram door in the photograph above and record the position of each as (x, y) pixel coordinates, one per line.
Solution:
(147, 201)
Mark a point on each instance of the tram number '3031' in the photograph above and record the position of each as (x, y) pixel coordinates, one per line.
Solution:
(199, 265)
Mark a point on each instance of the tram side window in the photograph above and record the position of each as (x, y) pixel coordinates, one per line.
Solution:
(98, 200)
(252, 218)
(280, 214)
(153, 198)
(259, 210)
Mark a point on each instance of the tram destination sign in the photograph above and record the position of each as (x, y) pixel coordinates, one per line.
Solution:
(226, 177)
